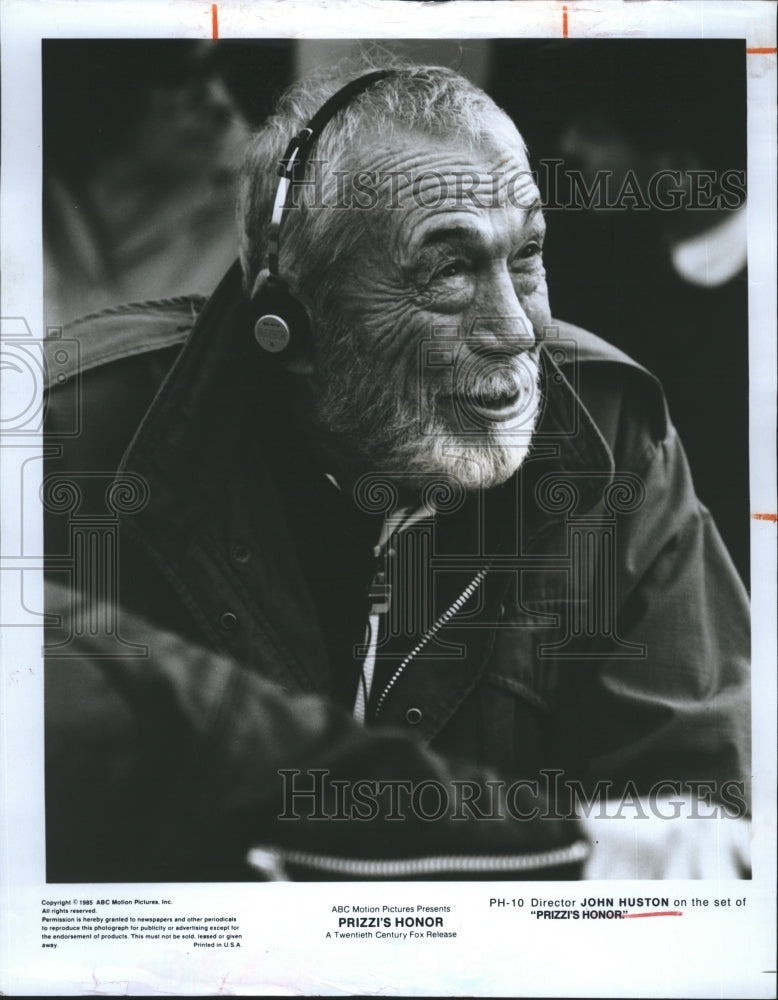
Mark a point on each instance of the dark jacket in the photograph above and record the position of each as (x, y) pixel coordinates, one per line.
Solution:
(581, 624)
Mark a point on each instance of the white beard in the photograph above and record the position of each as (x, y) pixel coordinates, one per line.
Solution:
(474, 465)
(374, 430)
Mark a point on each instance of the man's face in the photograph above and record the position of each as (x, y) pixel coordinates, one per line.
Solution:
(427, 357)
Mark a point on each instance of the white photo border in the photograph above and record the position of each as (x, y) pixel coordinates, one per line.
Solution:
(718, 953)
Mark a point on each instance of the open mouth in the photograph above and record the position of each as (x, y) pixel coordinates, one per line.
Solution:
(494, 399)
(494, 393)
(500, 400)
(497, 407)
(494, 404)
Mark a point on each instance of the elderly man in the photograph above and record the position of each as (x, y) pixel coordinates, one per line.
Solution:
(370, 536)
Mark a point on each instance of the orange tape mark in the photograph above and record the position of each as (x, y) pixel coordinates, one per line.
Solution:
(564, 22)
(765, 517)
(215, 19)
(760, 52)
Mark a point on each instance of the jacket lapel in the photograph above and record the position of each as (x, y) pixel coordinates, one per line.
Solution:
(214, 523)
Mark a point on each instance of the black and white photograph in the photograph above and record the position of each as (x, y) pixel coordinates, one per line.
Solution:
(388, 515)
(366, 538)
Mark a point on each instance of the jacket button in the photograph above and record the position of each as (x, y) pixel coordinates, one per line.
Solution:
(241, 553)
(228, 621)
(413, 716)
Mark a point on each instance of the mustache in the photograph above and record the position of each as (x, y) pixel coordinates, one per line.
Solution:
(488, 375)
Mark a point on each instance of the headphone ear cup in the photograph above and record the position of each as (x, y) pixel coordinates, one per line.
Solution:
(282, 326)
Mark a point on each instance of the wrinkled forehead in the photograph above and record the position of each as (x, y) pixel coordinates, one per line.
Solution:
(412, 171)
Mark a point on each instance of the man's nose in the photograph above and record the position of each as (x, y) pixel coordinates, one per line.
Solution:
(499, 321)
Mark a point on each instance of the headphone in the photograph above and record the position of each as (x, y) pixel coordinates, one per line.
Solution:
(282, 328)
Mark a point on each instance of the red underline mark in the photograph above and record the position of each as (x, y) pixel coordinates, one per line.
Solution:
(215, 19)
(658, 913)
(760, 52)
(765, 517)
(564, 22)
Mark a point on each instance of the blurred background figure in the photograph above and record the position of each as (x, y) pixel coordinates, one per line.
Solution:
(143, 141)
(142, 146)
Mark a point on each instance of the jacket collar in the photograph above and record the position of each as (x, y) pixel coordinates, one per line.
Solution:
(194, 447)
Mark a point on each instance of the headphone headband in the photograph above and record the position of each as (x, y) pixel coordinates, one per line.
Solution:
(295, 158)
(282, 324)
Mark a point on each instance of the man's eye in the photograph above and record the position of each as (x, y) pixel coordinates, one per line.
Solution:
(450, 269)
(530, 250)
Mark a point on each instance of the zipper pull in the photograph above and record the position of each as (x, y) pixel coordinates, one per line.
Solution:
(379, 593)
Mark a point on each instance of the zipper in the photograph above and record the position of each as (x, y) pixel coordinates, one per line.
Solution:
(466, 594)
(270, 862)
(368, 669)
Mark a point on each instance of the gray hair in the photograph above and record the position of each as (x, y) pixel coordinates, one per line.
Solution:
(431, 100)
